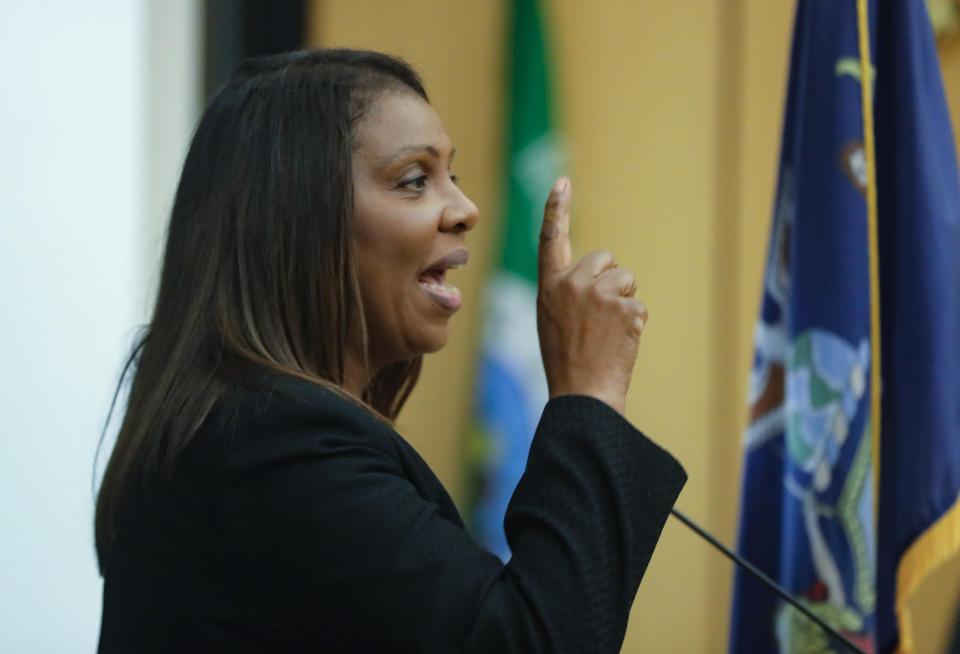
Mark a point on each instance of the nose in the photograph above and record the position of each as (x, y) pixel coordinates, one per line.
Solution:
(460, 214)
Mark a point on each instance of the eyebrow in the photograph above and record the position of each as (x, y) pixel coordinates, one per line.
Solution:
(420, 147)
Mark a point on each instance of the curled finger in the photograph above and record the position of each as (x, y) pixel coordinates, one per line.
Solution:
(618, 281)
(637, 315)
(597, 263)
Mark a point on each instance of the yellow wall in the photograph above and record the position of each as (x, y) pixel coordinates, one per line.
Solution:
(457, 49)
(672, 115)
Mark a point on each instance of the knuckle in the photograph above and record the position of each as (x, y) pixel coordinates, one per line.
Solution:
(595, 254)
(599, 257)
(625, 280)
(549, 231)
(604, 258)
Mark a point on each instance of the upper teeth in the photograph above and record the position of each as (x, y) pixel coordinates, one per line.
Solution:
(439, 287)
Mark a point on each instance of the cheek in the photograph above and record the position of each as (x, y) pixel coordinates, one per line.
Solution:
(390, 253)
(395, 242)
(385, 262)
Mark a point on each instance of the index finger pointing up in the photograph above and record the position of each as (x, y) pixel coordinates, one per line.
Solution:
(555, 253)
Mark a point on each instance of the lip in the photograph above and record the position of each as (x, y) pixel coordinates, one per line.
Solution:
(454, 259)
(447, 297)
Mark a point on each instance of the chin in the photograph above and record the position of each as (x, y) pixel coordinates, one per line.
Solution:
(432, 339)
(435, 344)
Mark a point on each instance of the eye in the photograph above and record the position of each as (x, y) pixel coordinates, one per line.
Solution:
(419, 182)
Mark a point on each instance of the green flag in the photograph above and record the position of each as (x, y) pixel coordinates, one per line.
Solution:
(511, 388)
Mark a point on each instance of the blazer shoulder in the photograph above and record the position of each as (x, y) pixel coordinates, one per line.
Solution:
(269, 407)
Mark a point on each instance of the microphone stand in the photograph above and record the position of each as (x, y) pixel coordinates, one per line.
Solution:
(770, 583)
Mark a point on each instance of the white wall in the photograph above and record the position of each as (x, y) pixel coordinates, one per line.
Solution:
(79, 211)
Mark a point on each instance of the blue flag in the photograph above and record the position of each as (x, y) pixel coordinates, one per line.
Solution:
(919, 224)
(814, 513)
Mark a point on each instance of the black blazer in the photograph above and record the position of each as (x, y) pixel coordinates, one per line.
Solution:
(297, 522)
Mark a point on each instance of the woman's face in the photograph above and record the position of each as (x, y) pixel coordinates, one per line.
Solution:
(410, 222)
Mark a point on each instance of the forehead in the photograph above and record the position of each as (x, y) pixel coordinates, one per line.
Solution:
(398, 119)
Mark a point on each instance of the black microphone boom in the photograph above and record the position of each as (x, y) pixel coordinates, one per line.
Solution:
(770, 583)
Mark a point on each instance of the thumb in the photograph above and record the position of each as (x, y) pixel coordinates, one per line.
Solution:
(555, 253)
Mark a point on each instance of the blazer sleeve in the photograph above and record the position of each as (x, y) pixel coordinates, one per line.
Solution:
(338, 540)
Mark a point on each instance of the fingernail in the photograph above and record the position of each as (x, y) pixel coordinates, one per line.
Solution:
(564, 185)
(559, 185)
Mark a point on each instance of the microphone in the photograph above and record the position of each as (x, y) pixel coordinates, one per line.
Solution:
(767, 581)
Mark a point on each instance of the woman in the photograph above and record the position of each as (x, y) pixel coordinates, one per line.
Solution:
(257, 499)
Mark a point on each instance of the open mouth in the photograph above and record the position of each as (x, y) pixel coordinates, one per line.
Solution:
(433, 281)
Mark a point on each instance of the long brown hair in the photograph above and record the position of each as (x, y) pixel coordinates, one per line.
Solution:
(258, 270)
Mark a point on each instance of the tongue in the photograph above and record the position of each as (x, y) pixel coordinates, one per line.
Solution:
(432, 277)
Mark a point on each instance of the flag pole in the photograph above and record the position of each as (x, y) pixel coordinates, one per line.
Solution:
(869, 151)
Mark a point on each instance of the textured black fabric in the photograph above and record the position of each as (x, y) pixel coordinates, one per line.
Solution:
(297, 522)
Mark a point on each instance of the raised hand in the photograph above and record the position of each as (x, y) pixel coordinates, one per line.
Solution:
(588, 320)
